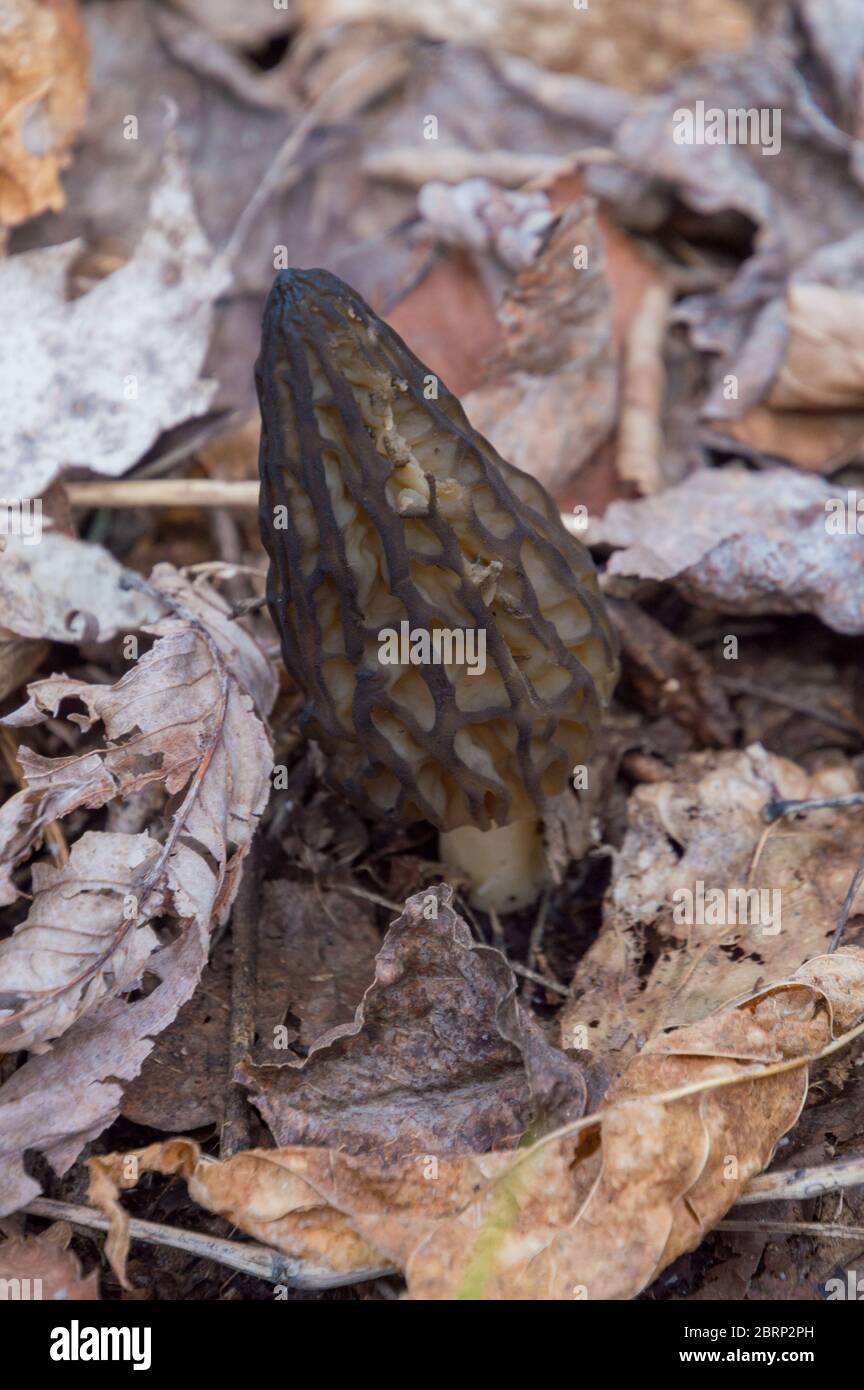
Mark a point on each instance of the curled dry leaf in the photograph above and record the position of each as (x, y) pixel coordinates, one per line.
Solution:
(186, 718)
(699, 910)
(743, 542)
(43, 97)
(440, 1055)
(53, 1270)
(183, 717)
(146, 328)
(593, 1211)
(806, 205)
(548, 399)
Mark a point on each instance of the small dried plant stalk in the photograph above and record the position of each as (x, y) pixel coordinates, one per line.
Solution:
(381, 506)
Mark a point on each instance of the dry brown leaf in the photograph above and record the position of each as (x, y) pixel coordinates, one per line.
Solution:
(594, 1211)
(43, 96)
(743, 542)
(548, 399)
(146, 328)
(82, 939)
(184, 717)
(650, 968)
(440, 1055)
(52, 1271)
(627, 45)
(315, 957)
(576, 1220)
(824, 364)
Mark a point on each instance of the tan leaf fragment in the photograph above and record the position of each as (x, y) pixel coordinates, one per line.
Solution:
(80, 941)
(824, 364)
(574, 1220)
(627, 44)
(44, 57)
(593, 1211)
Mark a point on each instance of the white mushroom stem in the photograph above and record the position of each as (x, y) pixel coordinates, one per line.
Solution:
(504, 869)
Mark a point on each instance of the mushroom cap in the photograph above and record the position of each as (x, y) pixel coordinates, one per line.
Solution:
(388, 519)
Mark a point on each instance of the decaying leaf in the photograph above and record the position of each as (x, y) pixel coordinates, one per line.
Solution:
(745, 543)
(45, 1268)
(315, 954)
(83, 938)
(43, 95)
(146, 328)
(593, 1211)
(184, 717)
(548, 399)
(580, 1219)
(440, 1055)
(700, 910)
(188, 717)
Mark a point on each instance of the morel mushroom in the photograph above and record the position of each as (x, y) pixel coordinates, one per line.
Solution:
(447, 631)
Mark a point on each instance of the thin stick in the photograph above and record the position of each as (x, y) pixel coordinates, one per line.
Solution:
(376, 898)
(236, 1131)
(186, 492)
(793, 1183)
(639, 431)
(537, 979)
(164, 492)
(851, 894)
(795, 1228)
(247, 1257)
(773, 810)
(509, 168)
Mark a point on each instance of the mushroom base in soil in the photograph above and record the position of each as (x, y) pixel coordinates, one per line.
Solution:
(399, 543)
(503, 869)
